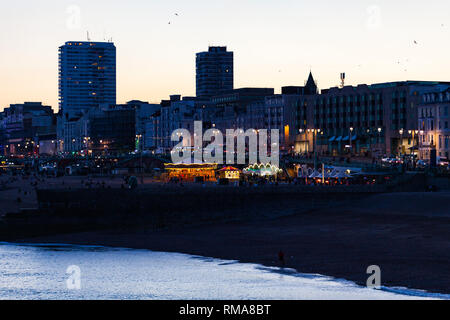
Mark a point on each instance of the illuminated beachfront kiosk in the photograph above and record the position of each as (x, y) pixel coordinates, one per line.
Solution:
(262, 170)
(230, 173)
(189, 172)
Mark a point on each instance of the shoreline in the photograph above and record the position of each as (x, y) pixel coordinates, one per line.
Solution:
(400, 291)
(411, 248)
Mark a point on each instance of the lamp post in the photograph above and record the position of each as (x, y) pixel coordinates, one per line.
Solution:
(140, 149)
(301, 133)
(379, 138)
(420, 142)
(315, 146)
(415, 136)
(86, 145)
(314, 132)
(73, 146)
(350, 138)
(401, 141)
(414, 133)
(307, 138)
(410, 132)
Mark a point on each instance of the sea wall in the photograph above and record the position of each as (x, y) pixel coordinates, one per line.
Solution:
(160, 206)
(62, 211)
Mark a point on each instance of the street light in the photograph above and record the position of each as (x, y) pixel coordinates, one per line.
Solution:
(140, 149)
(314, 131)
(379, 138)
(401, 141)
(350, 138)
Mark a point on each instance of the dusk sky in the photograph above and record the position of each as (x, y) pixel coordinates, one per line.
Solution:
(275, 43)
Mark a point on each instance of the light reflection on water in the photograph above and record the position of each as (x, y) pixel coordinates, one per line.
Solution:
(39, 272)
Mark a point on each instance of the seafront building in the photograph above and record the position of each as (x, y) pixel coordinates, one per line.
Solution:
(111, 130)
(237, 109)
(87, 80)
(282, 113)
(365, 120)
(2, 135)
(433, 124)
(107, 130)
(87, 76)
(144, 113)
(24, 125)
(368, 120)
(177, 113)
(214, 72)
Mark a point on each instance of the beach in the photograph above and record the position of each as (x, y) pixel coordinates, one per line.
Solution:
(405, 234)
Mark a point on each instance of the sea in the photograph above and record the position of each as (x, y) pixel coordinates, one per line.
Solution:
(70, 272)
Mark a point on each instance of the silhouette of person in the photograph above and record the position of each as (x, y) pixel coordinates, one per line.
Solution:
(281, 258)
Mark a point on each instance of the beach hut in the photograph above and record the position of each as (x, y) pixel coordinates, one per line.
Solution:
(230, 173)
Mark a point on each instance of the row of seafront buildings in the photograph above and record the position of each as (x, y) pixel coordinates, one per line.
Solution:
(370, 120)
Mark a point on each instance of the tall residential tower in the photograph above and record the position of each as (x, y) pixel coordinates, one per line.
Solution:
(214, 72)
(87, 76)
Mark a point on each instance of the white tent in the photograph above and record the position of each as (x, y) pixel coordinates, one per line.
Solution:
(341, 175)
(315, 174)
(331, 174)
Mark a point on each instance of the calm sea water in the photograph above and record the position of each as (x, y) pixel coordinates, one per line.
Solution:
(39, 272)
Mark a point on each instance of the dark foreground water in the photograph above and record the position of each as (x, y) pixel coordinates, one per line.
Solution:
(41, 272)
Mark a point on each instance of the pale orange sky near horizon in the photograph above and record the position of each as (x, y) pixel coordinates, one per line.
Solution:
(275, 43)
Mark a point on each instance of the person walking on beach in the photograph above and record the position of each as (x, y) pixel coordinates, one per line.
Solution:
(281, 258)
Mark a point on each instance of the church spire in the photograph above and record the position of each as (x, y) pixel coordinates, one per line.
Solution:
(311, 86)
